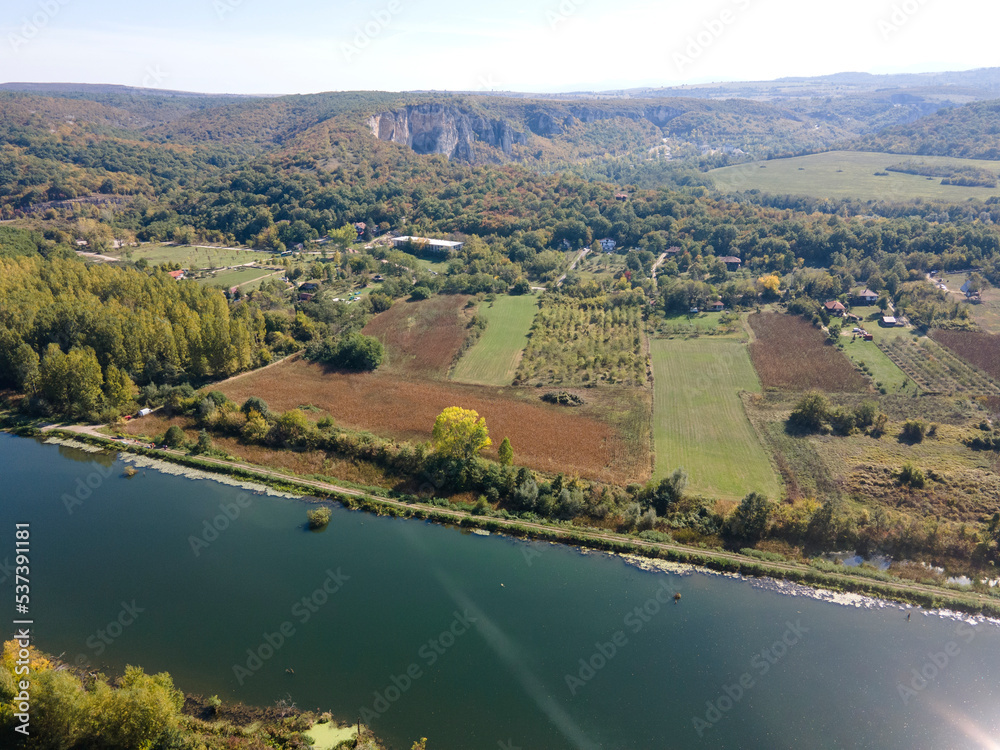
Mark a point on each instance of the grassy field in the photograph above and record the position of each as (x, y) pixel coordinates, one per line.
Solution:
(199, 257)
(880, 368)
(236, 277)
(494, 358)
(850, 174)
(987, 313)
(698, 418)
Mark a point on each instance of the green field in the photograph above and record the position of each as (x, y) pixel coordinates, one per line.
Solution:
(986, 313)
(237, 277)
(493, 359)
(881, 369)
(698, 418)
(197, 257)
(850, 174)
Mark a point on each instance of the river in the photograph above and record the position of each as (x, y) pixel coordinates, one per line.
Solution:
(476, 642)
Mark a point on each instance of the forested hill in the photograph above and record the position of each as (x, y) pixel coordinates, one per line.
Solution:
(972, 132)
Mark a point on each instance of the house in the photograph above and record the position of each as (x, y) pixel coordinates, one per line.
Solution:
(309, 286)
(867, 297)
(835, 308)
(177, 275)
(621, 196)
(732, 262)
(888, 321)
(673, 250)
(360, 228)
(304, 297)
(424, 243)
(716, 306)
(865, 336)
(608, 245)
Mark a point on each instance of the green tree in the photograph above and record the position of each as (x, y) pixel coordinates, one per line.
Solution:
(810, 413)
(748, 523)
(204, 443)
(136, 713)
(174, 437)
(505, 453)
(255, 429)
(460, 433)
(119, 390)
(290, 428)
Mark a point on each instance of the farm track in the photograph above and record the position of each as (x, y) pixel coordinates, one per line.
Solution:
(580, 533)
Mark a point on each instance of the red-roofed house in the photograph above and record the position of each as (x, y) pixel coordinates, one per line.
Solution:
(835, 308)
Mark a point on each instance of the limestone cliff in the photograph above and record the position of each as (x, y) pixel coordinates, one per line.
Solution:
(444, 129)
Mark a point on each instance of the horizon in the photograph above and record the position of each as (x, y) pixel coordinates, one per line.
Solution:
(562, 46)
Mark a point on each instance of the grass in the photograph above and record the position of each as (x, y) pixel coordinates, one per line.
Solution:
(200, 257)
(850, 174)
(880, 368)
(987, 313)
(494, 358)
(237, 277)
(698, 418)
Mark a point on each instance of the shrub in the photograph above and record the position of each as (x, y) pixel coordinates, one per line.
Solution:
(420, 292)
(353, 352)
(319, 517)
(913, 431)
(174, 437)
(257, 404)
(810, 413)
(912, 476)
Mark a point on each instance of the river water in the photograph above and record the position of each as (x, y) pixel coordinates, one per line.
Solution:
(476, 642)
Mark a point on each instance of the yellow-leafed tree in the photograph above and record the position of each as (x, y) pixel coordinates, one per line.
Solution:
(460, 433)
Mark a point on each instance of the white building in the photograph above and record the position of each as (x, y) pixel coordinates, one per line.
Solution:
(441, 246)
(608, 245)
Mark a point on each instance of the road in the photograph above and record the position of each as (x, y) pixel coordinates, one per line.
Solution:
(572, 265)
(577, 531)
(659, 262)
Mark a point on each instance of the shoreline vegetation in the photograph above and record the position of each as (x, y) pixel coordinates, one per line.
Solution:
(816, 573)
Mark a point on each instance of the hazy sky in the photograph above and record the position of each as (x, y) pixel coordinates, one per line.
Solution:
(303, 46)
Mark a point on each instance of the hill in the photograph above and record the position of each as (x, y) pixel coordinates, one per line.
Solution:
(971, 132)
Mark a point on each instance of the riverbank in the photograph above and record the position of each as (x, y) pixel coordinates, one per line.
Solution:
(817, 575)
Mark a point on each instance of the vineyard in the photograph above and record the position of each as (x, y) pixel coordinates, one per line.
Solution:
(572, 343)
(789, 353)
(936, 370)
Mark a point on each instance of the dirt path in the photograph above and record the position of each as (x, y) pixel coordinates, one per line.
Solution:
(572, 265)
(659, 262)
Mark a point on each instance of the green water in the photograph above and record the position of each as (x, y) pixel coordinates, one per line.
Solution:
(464, 639)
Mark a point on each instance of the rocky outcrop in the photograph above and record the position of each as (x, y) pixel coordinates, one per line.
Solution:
(444, 129)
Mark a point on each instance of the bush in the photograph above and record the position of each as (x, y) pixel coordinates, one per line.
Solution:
(420, 292)
(319, 518)
(810, 413)
(257, 404)
(912, 476)
(174, 437)
(913, 431)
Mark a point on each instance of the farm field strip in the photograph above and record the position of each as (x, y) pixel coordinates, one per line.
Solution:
(980, 350)
(202, 257)
(494, 358)
(881, 368)
(237, 277)
(789, 353)
(937, 370)
(699, 422)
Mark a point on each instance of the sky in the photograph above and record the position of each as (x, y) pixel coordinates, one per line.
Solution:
(307, 46)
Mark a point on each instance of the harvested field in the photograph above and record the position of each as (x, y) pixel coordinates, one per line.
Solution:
(422, 338)
(790, 354)
(982, 350)
(546, 438)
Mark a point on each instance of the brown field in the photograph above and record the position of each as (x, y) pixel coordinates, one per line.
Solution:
(422, 338)
(790, 354)
(547, 438)
(979, 349)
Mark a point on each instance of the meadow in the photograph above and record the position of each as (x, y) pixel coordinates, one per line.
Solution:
(241, 277)
(874, 362)
(699, 423)
(190, 256)
(494, 358)
(850, 174)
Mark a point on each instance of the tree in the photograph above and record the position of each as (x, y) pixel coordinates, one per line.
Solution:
(669, 491)
(119, 390)
(460, 433)
(204, 443)
(748, 523)
(255, 429)
(353, 352)
(505, 453)
(810, 413)
(256, 404)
